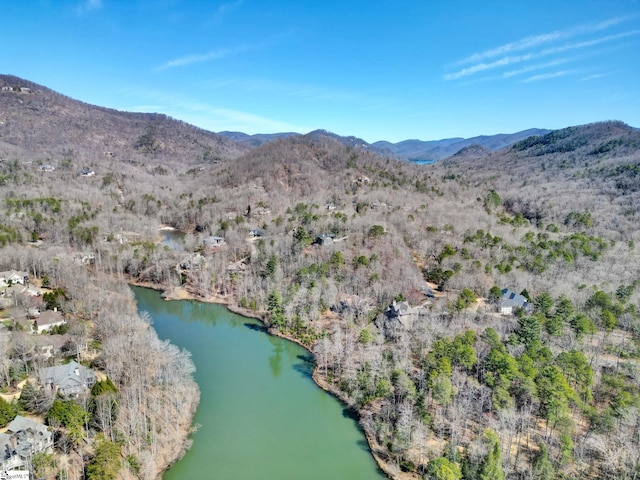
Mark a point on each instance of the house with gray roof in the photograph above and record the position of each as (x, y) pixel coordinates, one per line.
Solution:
(401, 316)
(511, 300)
(325, 239)
(70, 380)
(23, 439)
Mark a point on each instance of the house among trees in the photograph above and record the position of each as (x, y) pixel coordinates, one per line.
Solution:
(87, 173)
(47, 168)
(23, 295)
(23, 439)
(70, 380)
(212, 241)
(325, 239)
(50, 346)
(511, 300)
(12, 277)
(256, 233)
(47, 320)
(401, 315)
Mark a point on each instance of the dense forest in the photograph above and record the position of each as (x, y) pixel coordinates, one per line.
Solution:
(391, 273)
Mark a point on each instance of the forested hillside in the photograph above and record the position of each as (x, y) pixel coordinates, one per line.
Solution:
(391, 273)
(53, 129)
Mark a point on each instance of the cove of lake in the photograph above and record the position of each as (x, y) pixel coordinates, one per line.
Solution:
(260, 414)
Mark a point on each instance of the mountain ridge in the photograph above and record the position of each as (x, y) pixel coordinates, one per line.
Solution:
(53, 126)
(411, 149)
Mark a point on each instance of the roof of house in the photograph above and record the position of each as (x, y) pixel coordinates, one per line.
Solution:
(49, 317)
(512, 299)
(5, 440)
(213, 240)
(55, 341)
(21, 423)
(13, 275)
(27, 437)
(399, 309)
(325, 238)
(70, 377)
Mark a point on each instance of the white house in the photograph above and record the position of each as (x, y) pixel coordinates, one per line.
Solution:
(511, 300)
(13, 277)
(47, 320)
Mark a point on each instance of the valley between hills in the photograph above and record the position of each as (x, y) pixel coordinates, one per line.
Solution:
(479, 314)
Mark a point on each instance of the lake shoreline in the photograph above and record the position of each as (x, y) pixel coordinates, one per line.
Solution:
(376, 450)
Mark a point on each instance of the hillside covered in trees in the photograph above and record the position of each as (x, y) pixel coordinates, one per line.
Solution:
(391, 273)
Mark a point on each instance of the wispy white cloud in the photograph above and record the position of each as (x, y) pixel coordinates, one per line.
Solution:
(547, 76)
(537, 66)
(299, 90)
(208, 116)
(595, 76)
(221, 53)
(538, 40)
(212, 55)
(516, 59)
(481, 67)
(88, 6)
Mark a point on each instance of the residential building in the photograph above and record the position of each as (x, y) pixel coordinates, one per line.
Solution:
(210, 242)
(70, 380)
(325, 239)
(511, 300)
(13, 277)
(47, 320)
(23, 439)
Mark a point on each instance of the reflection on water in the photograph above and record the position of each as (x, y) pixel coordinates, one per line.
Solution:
(174, 239)
(260, 414)
(275, 361)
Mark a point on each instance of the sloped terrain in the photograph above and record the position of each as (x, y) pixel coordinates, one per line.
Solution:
(390, 272)
(52, 128)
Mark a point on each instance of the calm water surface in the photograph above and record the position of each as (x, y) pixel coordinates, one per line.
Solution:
(173, 239)
(260, 414)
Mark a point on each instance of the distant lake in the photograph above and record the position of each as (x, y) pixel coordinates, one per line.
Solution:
(423, 162)
(261, 416)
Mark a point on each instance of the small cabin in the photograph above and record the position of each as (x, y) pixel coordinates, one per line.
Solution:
(325, 239)
(212, 241)
(511, 300)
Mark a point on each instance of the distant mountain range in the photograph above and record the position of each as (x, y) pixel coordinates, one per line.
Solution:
(439, 149)
(51, 127)
(413, 150)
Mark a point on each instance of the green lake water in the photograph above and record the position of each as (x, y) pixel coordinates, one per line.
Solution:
(260, 414)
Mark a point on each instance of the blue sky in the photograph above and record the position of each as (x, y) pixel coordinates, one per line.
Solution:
(380, 70)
